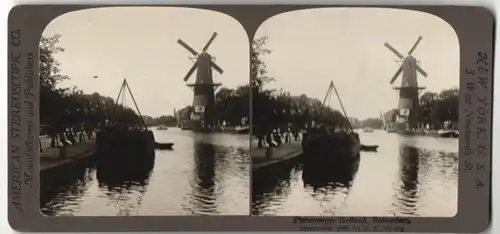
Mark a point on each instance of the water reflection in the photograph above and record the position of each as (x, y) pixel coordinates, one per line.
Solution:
(409, 175)
(407, 196)
(57, 191)
(267, 185)
(340, 175)
(119, 178)
(204, 174)
(303, 190)
(126, 184)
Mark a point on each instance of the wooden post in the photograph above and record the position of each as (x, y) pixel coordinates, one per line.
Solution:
(40, 144)
(63, 151)
(269, 152)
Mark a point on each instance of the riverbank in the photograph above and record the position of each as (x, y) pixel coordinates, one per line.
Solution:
(231, 130)
(430, 133)
(285, 154)
(49, 157)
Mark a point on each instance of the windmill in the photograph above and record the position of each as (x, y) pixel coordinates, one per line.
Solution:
(409, 89)
(203, 87)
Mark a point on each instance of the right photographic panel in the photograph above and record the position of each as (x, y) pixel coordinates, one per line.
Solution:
(355, 113)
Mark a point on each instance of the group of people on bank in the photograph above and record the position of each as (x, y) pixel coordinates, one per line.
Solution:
(67, 132)
(276, 137)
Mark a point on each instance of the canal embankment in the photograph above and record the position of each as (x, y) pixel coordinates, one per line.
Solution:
(275, 158)
(55, 157)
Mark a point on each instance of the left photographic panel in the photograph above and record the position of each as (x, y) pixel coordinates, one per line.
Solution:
(144, 111)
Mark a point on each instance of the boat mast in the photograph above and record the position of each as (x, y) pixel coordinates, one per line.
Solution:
(135, 103)
(118, 97)
(328, 93)
(122, 89)
(341, 105)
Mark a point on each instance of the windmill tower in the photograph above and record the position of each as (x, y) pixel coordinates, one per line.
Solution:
(409, 89)
(203, 88)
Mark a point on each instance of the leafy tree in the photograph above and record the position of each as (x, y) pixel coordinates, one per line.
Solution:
(277, 108)
(50, 73)
(50, 76)
(258, 68)
(71, 108)
(448, 104)
(427, 107)
(373, 123)
(437, 108)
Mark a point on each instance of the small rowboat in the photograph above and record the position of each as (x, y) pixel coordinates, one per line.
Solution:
(368, 130)
(242, 129)
(162, 128)
(164, 146)
(368, 147)
(448, 133)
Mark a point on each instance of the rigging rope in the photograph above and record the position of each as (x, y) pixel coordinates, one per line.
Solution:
(122, 95)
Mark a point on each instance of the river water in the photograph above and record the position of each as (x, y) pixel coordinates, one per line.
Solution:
(408, 176)
(205, 174)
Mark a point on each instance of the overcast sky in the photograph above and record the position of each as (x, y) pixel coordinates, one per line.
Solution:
(140, 44)
(312, 47)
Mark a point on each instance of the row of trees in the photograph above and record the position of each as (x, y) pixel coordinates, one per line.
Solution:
(277, 108)
(436, 109)
(375, 123)
(232, 105)
(167, 120)
(70, 108)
